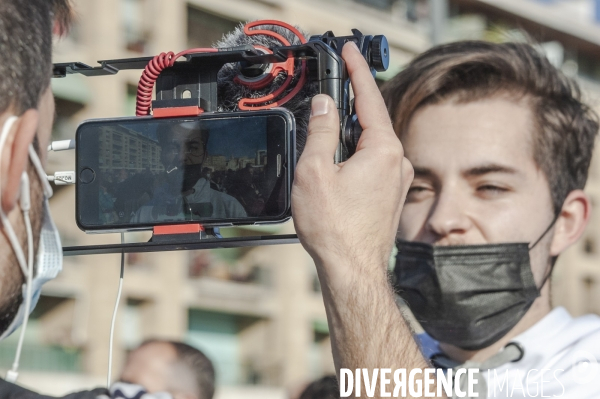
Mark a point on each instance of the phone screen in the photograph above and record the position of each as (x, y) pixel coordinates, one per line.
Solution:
(142, 172)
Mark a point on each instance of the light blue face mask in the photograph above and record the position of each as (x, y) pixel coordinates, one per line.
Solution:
(48, 261)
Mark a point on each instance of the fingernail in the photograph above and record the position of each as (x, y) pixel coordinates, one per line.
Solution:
(354, 46)
(319, 105)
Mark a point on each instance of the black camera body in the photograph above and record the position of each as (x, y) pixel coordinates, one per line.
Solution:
(189, 88)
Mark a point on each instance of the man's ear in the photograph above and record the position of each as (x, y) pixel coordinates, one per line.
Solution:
(15, 157)
(572, 220)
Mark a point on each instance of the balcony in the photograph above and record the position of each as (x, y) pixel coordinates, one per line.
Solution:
(36, 357)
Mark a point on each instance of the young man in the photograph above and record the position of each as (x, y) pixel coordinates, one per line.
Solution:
(500, 144)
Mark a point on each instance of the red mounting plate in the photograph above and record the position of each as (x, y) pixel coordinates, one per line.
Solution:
(177, 111)
(178, 229)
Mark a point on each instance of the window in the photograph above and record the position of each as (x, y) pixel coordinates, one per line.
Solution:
(135, 34)
(132, 322)
(589, 245)
(217, 335)
(130, 99)
(70, 97)
(204, 29)
(48, 344)
(319, 355)
(379, 4)
(591, 295)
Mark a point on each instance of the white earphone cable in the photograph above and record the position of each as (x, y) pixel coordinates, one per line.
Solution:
(114, 316)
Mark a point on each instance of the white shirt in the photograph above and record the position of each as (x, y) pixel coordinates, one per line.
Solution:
(222, 205)
(562, 359)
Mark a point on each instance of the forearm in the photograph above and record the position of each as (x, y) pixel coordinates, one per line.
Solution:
(367, 328)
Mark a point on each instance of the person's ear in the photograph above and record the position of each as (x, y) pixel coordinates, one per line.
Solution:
(572, 220)
(15, 157)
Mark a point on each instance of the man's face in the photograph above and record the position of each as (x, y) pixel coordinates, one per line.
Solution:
(186, 147)
(154, 366)
(476, 181)
(150, 366)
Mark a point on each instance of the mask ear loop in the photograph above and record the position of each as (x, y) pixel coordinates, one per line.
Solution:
(7, 227)
(39, 169)
(553, 261)
(25, 202)
(25, 265)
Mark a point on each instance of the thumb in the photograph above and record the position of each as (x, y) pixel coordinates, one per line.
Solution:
(323, 129)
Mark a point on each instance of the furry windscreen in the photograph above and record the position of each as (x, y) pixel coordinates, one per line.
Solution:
(230, 93)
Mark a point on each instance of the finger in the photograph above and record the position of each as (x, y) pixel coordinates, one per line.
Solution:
(370, 107)
(408, 174)
(323, 129)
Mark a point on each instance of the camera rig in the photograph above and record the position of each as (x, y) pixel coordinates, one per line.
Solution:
(196, 76)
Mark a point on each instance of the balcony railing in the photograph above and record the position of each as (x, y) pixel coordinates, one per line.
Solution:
(42, 358)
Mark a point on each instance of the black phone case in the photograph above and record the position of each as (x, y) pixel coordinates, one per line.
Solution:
(87, 163)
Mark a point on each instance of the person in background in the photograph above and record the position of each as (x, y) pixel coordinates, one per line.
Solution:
(324, 388)
(170, 366)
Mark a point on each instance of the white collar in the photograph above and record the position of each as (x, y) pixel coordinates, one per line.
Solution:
(545, 329)
(556, 333)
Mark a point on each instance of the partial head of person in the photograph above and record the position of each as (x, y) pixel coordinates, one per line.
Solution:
(183, 151)
(324, 388)
(26, 117)
(170, 366)
(183, 144)
(501, 143)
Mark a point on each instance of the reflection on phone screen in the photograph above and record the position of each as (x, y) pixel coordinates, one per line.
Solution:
(185, 170)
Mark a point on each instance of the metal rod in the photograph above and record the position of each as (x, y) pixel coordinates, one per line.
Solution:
(208, 243)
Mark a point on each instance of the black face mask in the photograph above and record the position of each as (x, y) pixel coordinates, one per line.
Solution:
(469, 296)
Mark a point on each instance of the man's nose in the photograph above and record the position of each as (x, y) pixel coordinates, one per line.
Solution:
(448, 215)
(182, 154)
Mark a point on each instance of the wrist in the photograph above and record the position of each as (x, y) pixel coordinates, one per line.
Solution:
(351, 273)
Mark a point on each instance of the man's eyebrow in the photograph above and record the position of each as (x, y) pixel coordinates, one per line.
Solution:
(489, 168)
(475, 171)
(423, 172)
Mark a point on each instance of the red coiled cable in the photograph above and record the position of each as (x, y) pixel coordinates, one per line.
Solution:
(151, 73)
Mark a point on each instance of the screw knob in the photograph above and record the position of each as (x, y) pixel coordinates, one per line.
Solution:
(380, 53)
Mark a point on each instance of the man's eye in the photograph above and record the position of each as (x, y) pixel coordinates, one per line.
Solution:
(417, 189)
(491, 190)
(416, 193)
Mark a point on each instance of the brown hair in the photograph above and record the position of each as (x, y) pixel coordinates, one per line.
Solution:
(26, 44)
(324, 388)
(565, 128)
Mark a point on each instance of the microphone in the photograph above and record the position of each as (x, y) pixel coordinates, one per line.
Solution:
(231, 91)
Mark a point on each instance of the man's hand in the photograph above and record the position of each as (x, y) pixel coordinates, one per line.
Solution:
(346, 216)
(350, 211)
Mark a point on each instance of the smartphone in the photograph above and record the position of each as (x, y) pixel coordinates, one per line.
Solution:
(216, 169)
